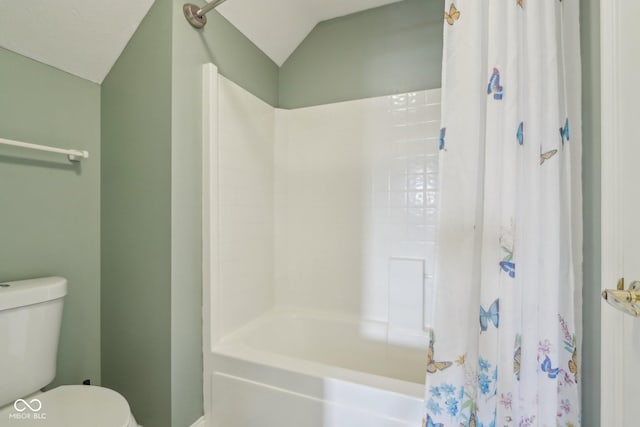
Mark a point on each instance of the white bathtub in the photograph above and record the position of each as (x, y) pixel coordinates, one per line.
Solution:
(301, 370)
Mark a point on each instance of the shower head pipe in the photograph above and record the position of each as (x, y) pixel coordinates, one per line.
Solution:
(196, 14)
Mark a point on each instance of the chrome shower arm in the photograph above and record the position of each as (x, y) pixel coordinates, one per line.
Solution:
(209, 7)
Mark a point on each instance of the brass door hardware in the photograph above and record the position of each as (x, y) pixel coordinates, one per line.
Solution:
(627, 301)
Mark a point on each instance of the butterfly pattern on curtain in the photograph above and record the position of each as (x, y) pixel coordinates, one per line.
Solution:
(505, 341)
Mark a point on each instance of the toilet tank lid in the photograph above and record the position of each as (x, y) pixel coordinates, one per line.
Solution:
(33, 291)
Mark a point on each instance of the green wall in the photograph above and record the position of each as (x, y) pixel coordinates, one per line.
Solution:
(151, 207)
(390, 49)
(241, 61)
(236, 57)
(590, 39)
(51, 207)
(136, 221)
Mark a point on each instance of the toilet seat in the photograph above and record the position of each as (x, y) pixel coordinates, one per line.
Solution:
(78, 406)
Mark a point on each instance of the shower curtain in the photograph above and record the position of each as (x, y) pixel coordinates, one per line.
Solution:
(505, 342)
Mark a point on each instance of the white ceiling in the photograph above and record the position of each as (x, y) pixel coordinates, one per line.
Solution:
(86, 37)
(81, 37)
(277, 27)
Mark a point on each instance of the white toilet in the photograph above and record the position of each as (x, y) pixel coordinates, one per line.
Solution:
(30, 318)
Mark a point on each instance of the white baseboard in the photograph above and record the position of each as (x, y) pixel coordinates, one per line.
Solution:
(199, 422)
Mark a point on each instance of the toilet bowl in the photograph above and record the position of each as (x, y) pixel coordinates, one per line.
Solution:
(30, 320)
(70, 406)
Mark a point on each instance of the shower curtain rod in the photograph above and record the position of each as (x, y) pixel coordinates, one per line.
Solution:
(196, 15)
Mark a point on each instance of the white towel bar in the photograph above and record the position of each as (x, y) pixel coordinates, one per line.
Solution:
(73, 155)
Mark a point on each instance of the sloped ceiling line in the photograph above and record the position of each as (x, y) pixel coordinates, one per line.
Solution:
(86, 37)
(81, 37)
(277, 27)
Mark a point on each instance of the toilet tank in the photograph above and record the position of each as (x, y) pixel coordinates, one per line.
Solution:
(30, 318)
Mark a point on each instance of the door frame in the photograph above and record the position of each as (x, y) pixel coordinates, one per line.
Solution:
(612, 321)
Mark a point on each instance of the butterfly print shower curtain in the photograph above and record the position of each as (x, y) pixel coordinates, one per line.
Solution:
(504, 348)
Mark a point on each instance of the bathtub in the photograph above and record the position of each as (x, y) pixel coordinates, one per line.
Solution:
(291, 369)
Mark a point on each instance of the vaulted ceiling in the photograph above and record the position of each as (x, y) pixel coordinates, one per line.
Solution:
(81, 37)
(86, 37)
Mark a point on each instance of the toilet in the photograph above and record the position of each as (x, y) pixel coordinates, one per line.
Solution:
(30, 320)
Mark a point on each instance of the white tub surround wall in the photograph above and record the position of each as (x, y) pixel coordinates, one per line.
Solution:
(245, 203)
(237, 212)
(319, 251)
(356, 192)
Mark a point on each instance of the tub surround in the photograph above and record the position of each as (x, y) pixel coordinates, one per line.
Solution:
(313, 275)
(357, 241)
(179, 180)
